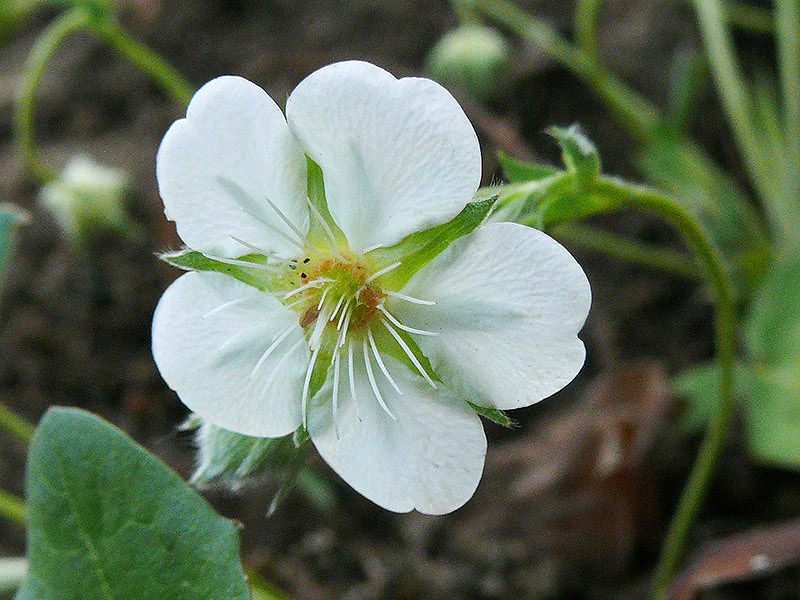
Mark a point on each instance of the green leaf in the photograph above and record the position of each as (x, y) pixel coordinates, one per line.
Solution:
(773, 416)
(772, 329)
(517, 171)
(11, 217)
(493, 414)
(579, 153)
(192, 260)
(700, 386)
(109, 521)
(419, 248)
(688, 77)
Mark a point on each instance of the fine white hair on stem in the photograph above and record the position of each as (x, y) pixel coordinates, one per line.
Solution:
(414, 360)
(372, 382)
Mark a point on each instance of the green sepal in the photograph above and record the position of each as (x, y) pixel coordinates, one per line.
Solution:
(419, 248)
(232, 458)
(493, 414)
(578, 152)
(108, 520)
(192, 260)
(315, 189)
(517, 171)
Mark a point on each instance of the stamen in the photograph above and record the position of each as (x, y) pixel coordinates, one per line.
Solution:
(227, 305)
(268, 253)
(384, 270)
(281, 336)
(239, 334)
(408, 352)
(379, 360)
(352, 378)
(243, 263)
(411, 299)
(286, 220)
(326, 227)
(344, 310)
(335, 394)
(319, 328)
(346, 322)
(371, 377)
(322, 298)
(306, 383)
(370, 248)
(277, 368)
(305, 286)
(336, 308)
(404, 327)
(297, 244)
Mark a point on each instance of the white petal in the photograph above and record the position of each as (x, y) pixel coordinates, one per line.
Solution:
(429, 459)
(209, 331)
(397, 156)
(510, 301)
(216, 167)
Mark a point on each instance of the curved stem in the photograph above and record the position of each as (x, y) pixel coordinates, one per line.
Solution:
(633, 251)
(586, 13)
(636, 113)
(14, 424)
(12, 508)
(107, 30)
(40, 55)
(787, 28)
(725, 335)
(149, 62)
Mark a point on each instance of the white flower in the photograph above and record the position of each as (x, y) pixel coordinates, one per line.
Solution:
(378, 367)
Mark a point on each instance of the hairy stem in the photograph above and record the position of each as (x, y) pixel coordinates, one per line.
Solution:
(15, 424)
(37, 61)
(725, 335)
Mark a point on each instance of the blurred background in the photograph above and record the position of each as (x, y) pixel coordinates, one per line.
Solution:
(576, 498)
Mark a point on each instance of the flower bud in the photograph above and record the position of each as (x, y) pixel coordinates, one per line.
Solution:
(472, 57)
(87, 197)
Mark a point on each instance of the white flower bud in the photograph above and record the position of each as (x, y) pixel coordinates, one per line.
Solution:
(87, 197)
(472, 57)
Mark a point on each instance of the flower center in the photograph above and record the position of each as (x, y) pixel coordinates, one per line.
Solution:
(334, 296)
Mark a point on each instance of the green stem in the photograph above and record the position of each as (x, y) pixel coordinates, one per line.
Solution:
(264, 590)
(638, 115)
(779, 206)
(14, 424)
(586, 14)
(149, 62)
(633, 251)
(787, 29)
(747, 16)
(12, 508)
(725, 335)
(109, 31)
(40, 55)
